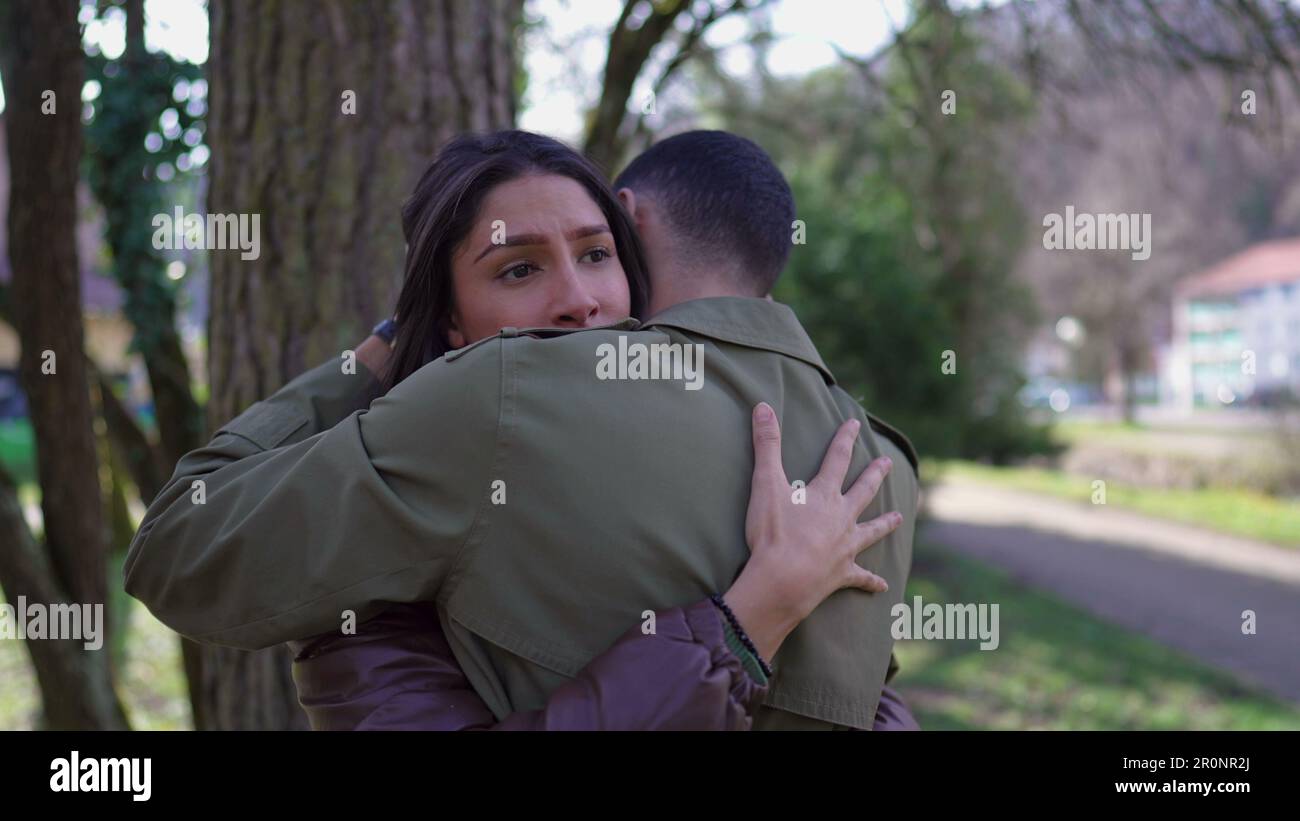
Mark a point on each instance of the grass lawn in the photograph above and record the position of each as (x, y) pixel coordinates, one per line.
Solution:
(1157, 438)
(1058, 668)
(1228, 510)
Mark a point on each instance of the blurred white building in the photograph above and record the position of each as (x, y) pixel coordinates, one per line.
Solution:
(1236, 329)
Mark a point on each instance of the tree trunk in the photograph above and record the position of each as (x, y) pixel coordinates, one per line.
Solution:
(627, 52)
(327, 186)
(40, 54)
(150, 303)
(1129, 361)
(76, 685)
(140, 458)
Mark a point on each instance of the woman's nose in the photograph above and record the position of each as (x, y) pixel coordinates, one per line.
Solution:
(575, 304)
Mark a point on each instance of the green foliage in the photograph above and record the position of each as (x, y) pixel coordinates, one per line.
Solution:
(866, 302)
(18, 450)
(146, 101)
(911, 229)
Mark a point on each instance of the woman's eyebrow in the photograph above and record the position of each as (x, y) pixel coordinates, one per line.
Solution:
(539, 239)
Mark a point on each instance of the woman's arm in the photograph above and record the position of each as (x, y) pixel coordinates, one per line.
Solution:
(892, 713)
(694, 672)
(398, 673)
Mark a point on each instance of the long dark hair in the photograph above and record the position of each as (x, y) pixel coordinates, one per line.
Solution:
(444, 206)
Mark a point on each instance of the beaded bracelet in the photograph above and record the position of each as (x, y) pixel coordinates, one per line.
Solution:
(740, 633)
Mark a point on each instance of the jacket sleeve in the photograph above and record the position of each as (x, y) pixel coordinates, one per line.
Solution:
(274, 531)
(892, 713)
(398, 673)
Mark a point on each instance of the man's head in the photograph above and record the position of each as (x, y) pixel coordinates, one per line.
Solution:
(714, 213)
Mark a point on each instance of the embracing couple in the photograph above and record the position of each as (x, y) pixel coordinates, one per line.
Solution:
(477, 529)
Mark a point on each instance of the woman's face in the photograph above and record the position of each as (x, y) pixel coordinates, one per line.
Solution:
(539, 255)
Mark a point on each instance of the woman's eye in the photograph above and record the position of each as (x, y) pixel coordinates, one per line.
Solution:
(518, 272)
(596, 255)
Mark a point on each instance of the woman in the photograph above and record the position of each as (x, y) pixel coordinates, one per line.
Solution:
(515, 229)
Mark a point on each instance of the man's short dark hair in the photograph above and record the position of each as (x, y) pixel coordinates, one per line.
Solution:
(722, 197)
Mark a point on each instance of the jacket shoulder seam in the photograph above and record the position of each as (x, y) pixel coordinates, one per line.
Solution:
(896, 436)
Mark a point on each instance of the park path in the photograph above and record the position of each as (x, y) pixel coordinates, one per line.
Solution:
(1180, 585)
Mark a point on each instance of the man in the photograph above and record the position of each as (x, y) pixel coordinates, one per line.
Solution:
(491, 480)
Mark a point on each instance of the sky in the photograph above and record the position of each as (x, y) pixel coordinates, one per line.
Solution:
(565, 59)
(805, 31)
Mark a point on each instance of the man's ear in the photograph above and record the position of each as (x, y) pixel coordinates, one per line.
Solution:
(628, 197)
(454, 336)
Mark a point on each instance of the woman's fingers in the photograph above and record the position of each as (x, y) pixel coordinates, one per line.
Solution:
(868, 484)
(835, 465)
(866, 580)
(768, 470)
(872, 531)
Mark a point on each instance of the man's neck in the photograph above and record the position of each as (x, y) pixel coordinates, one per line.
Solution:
(682, 286)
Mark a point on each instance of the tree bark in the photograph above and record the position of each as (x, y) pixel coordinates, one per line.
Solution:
(138, 455)
(76, 686)
(327, 186)
(41, 53)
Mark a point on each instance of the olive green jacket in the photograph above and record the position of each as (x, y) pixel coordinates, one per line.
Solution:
(544, 506)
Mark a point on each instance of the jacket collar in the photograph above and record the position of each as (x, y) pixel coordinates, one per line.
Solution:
(749, 321)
